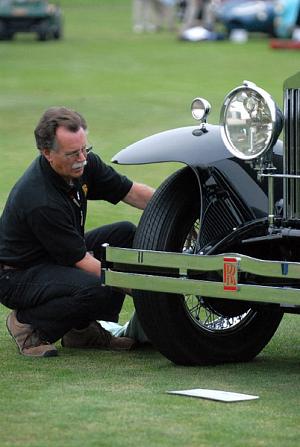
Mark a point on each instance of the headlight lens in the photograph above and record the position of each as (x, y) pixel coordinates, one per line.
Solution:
(200, 109)
(250, 121)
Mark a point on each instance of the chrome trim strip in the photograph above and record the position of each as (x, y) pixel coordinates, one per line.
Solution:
(279, 175)
(202, 263)
(283, 295)
(184, 286)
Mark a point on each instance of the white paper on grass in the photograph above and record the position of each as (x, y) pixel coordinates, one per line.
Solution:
(224, 396)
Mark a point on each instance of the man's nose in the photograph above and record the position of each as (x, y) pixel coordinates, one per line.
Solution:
(82, 155)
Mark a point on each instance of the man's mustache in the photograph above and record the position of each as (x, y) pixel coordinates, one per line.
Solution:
(79, 164)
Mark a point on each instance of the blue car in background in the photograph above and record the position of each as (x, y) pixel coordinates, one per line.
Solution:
(276, 18)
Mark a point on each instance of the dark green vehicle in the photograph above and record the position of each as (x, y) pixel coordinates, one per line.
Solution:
(30, 16)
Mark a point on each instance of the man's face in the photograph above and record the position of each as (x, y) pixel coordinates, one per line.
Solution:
(69, 158)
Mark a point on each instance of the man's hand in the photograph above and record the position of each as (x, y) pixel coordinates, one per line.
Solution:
(89, 264)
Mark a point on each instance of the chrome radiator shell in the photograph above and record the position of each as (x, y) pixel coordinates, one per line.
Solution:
(291, 160)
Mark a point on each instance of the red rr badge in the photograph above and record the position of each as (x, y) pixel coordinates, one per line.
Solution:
(230, 274)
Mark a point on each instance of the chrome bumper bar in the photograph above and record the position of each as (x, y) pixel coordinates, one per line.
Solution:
(127, 268)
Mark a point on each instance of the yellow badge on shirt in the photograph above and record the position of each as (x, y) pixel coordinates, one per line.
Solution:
(85, 189)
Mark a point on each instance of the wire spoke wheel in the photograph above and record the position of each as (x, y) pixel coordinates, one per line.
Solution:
(207, 318)
(198, 309)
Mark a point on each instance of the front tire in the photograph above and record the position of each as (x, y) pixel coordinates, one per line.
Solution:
(187, 329)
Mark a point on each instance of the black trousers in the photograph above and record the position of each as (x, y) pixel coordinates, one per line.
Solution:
(54, 299)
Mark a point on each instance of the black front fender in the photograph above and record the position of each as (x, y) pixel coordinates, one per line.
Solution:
(195, 148)
(186, 145)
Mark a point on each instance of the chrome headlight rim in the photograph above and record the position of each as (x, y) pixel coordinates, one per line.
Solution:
(275, 122)
(200, 109)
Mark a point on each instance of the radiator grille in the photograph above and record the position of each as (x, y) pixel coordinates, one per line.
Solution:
(292, 153)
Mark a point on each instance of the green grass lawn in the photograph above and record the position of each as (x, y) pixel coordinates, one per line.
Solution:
(129, 86)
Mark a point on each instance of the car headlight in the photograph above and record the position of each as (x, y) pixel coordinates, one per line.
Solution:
(200, 109)
(250, 121)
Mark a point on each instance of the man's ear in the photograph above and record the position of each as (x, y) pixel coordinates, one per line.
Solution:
(47, 154)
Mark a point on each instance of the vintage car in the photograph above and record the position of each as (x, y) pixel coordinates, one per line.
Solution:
(253, 16)
(274, 17)
(215, 262)
(30, 16)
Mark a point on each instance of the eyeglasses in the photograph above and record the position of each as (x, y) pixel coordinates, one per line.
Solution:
(85, 151)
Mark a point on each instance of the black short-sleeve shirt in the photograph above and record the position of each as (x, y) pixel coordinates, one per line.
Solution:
(43, 219)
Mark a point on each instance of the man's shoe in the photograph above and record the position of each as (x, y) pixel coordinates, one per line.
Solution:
(94, 336)
(27, 339)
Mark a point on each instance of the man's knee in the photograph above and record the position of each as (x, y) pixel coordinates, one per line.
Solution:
(127, 232)
(99, 302)
(118, 234)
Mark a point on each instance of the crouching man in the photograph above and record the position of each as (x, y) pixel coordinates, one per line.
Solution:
(50, 267)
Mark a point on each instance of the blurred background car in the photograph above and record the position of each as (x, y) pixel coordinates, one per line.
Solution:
(277, 18)
(252, 16)
(30, 16)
